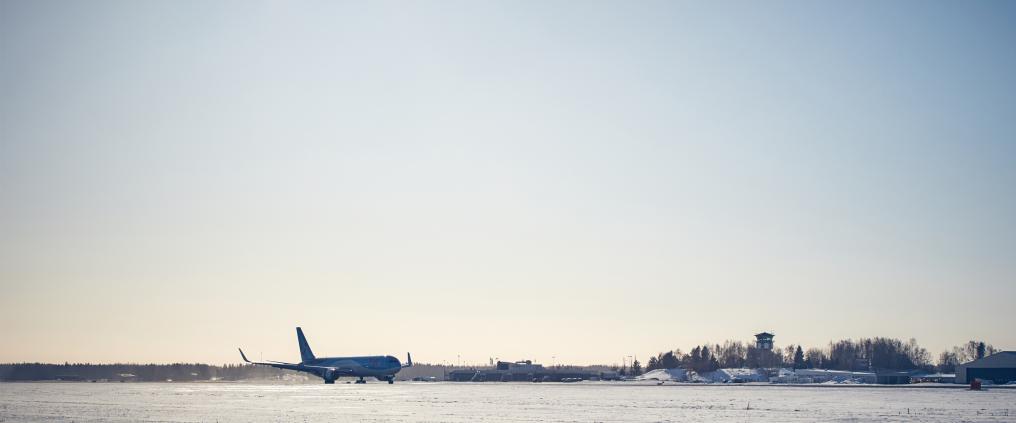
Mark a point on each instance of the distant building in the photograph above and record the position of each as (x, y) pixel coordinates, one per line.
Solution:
(997, 368)
(933, 378)
(521, 371)
(609, 375)
(764, 341)
(822, 375)
(524, 366)
(893, 377)
(462, 375)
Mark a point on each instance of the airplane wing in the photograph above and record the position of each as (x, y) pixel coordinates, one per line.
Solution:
(278, 364)
(338, 371)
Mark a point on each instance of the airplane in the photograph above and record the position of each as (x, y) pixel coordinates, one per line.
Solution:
(331, 368)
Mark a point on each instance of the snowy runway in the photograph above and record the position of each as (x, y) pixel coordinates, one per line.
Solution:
(471, 402)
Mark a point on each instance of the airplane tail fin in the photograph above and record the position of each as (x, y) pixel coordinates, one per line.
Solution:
(305, 353)
(409, 360)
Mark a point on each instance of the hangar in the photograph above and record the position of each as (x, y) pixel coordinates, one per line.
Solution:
(998, 368)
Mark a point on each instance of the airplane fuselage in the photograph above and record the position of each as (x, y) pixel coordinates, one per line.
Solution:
(379, 366)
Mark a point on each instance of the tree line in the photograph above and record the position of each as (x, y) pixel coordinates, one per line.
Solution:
(863, 354)
(135, 372)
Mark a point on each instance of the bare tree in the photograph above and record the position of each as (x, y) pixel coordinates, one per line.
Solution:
(947, 362)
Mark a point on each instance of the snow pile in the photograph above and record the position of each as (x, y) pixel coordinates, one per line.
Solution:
(839, 381)
(744, 375)
(740, 375)
(719, 376)
(785, 375)
(673, 375)
(785, 372)
(836, 376)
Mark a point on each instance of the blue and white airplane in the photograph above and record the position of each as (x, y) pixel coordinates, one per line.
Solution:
(331, 368)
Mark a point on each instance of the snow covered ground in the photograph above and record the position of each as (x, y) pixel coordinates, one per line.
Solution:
(479, 402)
(759, 375)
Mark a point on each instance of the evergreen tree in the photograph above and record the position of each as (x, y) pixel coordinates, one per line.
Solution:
(669, 360)
(798, 358)
(695, 358)
(713, 364)
(653, 364)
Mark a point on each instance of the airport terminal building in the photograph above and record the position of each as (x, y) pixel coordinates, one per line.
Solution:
(998, 368)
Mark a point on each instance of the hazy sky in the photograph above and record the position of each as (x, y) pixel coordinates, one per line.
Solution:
(561, 181)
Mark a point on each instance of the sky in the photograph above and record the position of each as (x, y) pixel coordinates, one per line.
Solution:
(568, 182)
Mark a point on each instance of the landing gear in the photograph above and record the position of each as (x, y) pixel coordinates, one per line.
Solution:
(391, 379)
(360, 380)
(329, 381)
